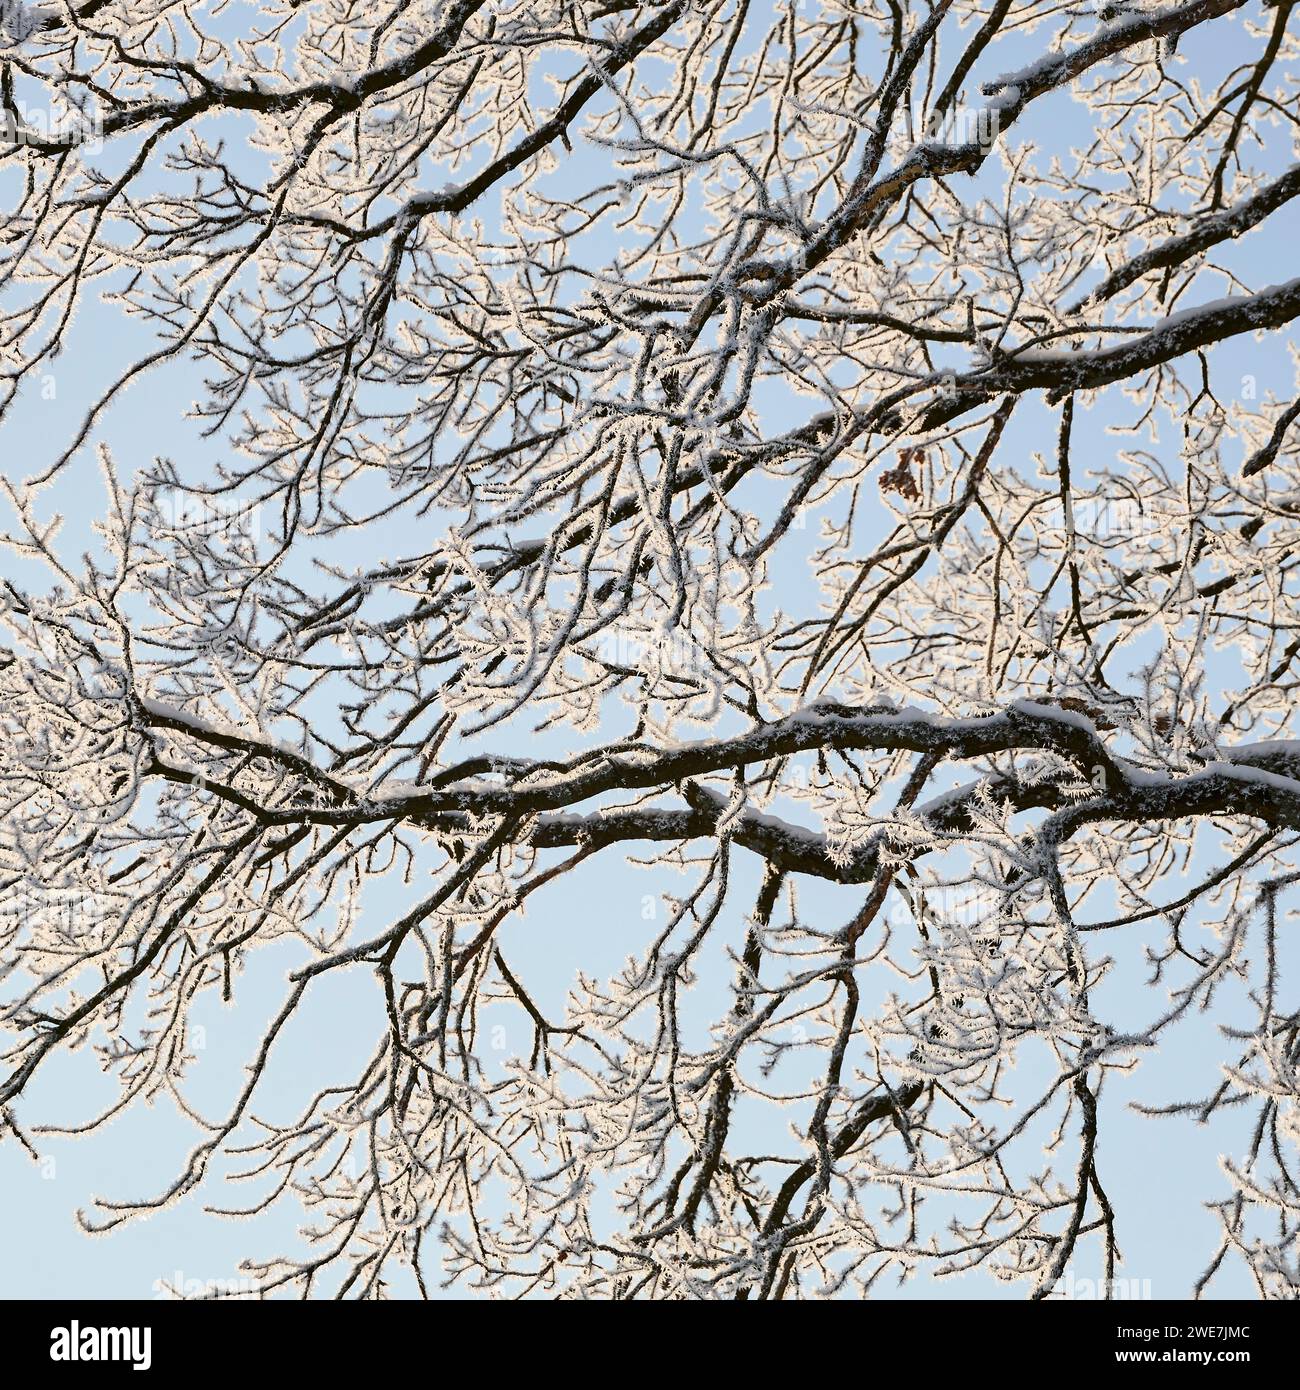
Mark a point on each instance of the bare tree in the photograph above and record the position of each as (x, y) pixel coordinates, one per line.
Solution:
(784, 408)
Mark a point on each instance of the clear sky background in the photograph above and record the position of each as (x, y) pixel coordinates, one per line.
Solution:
(1158, 1173)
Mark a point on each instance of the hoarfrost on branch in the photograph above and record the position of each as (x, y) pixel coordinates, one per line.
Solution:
(662, 434)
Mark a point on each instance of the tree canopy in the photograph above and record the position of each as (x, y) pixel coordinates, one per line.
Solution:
(767, 441)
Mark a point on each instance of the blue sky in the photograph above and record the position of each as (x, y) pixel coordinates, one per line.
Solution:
(1158, 1173)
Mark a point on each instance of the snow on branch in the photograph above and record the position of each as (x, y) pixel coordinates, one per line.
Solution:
(800, 464)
